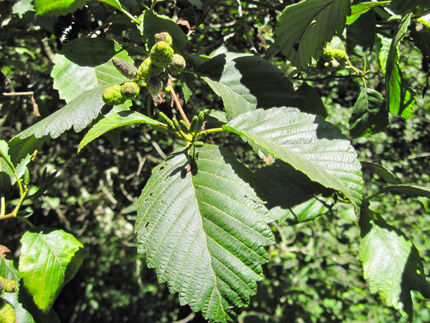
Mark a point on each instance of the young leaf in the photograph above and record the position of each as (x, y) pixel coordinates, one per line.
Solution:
(246, 82)
(292, 197)
(84, 64)
(400, 96)
(361, 8)
(154, 24)
(391, 263)
(369, 114)
(120, 119)
(78, 113)
(382, 172)
(45, 257)
(57, 7)
(306, 142)
(305, 27)
(204, 230)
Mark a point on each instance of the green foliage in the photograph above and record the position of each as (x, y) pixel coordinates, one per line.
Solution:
(237, 174)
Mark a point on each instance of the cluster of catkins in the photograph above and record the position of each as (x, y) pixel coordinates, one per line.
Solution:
(155, 70)
(7, 312)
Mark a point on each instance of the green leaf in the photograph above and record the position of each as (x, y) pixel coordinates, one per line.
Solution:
(304, 28)
(311, 145)
(204, 230)
(402, 7)
(120, 119)
(78, 113)
(382, 172)
(20, 148)
(7, 169)
(369, 114)
(314, 104)
(113, 3)
(421, 41)
(197, 3)
(84, 64)
(153, 24)
(187, 84)
(21, 7)
(383, 48)
(362, 32)
(246, 82)
(391, 263)
(57, 7)
(361, 8)
(401, 98)
(292, 197)
(7, 267)
(410, 190)
(45, 257)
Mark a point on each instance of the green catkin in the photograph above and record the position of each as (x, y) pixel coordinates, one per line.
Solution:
(167, 120)
(7, 312)
(176, 123)
(198, 143)
(130, 90)
(113, 95)
(161, 54)
(125, 68)
(184, 124)
(177, 65)
(194, 127)
(154, 85)
(147, 69)
(164, 37)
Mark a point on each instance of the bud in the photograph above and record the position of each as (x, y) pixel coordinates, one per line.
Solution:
(161, 54)
(177, 65)
(154, 85)
(163, 37)
(130, 90)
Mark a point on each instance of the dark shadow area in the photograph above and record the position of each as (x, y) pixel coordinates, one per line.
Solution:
(89, 51)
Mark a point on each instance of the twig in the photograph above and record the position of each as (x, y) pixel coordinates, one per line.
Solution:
(33, 101)
(187, 319)
(156, 146)
(178, 104)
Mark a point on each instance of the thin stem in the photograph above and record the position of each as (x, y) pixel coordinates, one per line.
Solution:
(31, 225)
(153, 4)
(3, 206)
(213, 130)
(125, 12)
(178, 104)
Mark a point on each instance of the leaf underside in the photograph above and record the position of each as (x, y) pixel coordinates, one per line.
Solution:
(204, 230)
(247, 82)
(391, 263)
(304, 28)
(306, 142)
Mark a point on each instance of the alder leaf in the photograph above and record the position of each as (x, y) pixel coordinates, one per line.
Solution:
(391, 263)
(410, 190)
(369, 115)
(46, 256)
(361, 8)
(204, 230)
(84, 64)
(400, 96)
(306, 142)
(382, 172)
(291, 196)
(305, 27)
(115, 121)
(79, 113)
(57, 7)
(246, 82)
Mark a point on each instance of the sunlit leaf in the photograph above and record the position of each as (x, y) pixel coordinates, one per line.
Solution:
(361, 8)
(306, 142)
(391, 263)
(204, 230)
(305, 27)
(57, 7)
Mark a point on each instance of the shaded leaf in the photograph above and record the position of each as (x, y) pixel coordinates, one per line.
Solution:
(410, 190)
(402, 7)
(362, 32)
(84, 64)
(382, 172)
(306, 142)
(78, 113)
(369, 115)
(7, 169)
(153, 24)
(113, 3)
(45, 257)
(120, 119)
(361, 8)
(305, 27)
(401, 98)
(391, 263)
(197, 3)
(292, 197)
(246, 82)
(204, 230)
(314, 104)
(20, 148)
(421, 41)
(57, 7)
(187, 84)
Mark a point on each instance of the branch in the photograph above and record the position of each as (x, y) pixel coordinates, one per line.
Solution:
(178, 104)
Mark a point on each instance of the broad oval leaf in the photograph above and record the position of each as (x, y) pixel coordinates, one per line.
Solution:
(84, 64)
(391, 263)
(305, 27)
(204, 230)
(77, 114)
(57, 7)
(153, 23)
(306, 142)
(118, 120)
(369, 114)
(246, 82)
(291, 196)
(45, 257)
